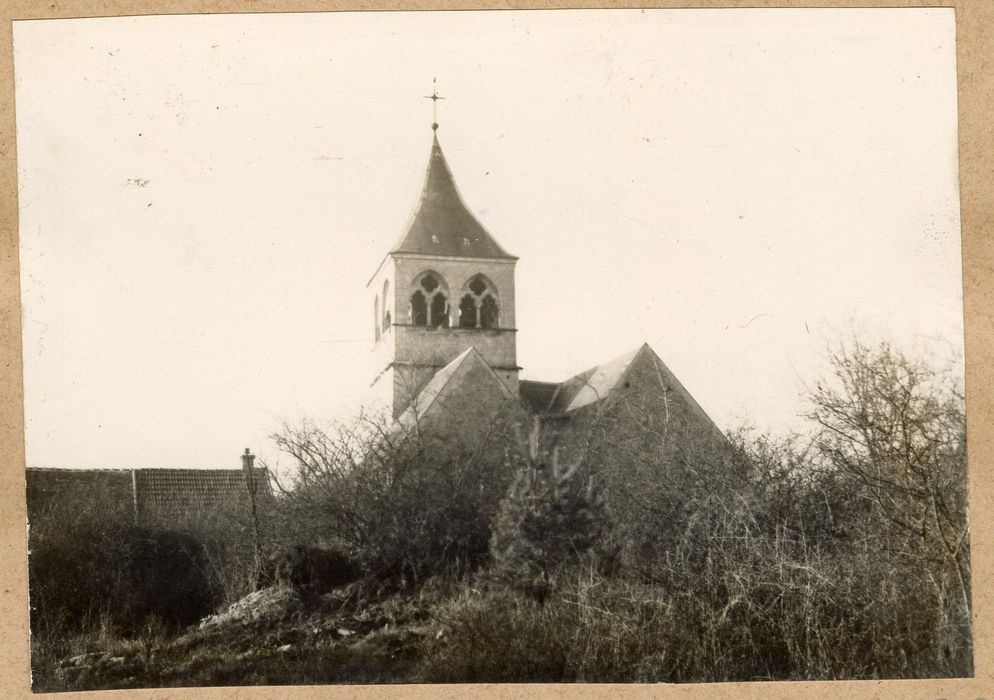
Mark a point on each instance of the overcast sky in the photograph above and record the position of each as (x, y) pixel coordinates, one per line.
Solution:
(202, 199)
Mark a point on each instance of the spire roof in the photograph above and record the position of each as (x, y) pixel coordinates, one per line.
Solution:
(442, 224)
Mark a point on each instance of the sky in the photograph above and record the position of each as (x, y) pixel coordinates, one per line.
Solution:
(203, 198)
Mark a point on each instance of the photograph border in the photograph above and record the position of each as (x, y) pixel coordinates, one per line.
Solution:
(975, 89)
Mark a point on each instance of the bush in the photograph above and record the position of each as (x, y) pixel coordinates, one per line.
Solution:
(765, 618)
(844, 555)
(168, 576)
(311, 569)
(406, 505)
(91, 567)
(895, 428)
(224, 533)
(83, 578)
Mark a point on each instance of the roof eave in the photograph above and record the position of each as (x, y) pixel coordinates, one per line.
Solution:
(508, 259)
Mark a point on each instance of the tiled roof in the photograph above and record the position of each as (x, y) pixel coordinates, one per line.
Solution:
(101, 488)
(442, 224)
(149, 492)
(48, 478)
(189, 491)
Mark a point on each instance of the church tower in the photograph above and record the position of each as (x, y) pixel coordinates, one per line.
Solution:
(446, 286)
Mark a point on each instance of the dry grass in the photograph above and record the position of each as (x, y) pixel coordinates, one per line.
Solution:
(841, 556)
(779, 620)
(755, 626)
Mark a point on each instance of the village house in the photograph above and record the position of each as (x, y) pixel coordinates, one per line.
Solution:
(177, 498)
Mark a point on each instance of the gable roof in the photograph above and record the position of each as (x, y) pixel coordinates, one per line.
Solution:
(607, 382)
(668, 379)
(445, 382)
(442, 224)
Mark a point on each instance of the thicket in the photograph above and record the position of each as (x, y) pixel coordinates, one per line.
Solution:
(90, 563)
(635, 545)
(402, 505)
(96, 576)
(842, 554)
(638, 545)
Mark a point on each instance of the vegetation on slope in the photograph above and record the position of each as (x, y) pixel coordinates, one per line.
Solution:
(843, 553)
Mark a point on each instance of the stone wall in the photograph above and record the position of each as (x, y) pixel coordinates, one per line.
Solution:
(405, 357)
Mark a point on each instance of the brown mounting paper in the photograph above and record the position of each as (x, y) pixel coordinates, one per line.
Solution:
(975, 76)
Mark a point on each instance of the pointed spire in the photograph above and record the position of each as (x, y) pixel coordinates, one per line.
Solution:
(442, 224)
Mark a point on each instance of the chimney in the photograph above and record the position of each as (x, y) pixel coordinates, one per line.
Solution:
(248, 459)
(252, 486)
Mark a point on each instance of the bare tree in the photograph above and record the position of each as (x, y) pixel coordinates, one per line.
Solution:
(404, 502)
(896, 427)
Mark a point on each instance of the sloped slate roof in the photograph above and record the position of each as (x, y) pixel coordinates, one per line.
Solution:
(606, 382)
(591, 385)
(436, 389)
(442, 224)
(431, 391)
(668, 379)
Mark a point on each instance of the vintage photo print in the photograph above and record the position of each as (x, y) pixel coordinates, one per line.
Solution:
(517, 347)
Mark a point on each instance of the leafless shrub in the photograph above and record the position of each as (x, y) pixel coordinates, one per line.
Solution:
(406, 504)
(840, 554)
(894, 426)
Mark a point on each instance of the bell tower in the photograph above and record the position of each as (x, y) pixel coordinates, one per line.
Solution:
(446, 286)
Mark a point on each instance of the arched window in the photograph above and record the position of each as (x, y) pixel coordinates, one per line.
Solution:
(467, 312)
(386, 305)
(478, 308)
(439, 311)
(376, 318)
(488, 312)
(419, 309)
(430, 302)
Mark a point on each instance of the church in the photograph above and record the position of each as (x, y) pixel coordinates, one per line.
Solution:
(445, 335)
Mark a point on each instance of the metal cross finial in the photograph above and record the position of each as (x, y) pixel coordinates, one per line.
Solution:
(434, 97)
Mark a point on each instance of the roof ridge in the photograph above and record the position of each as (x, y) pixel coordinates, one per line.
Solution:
(681, 389)
(191, 469)
(79, 469)
(591, 372)
(121, 470)
(625, 372)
